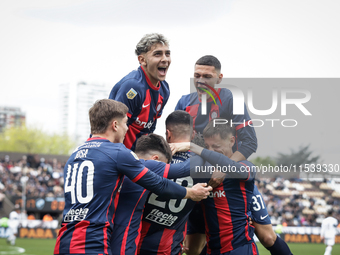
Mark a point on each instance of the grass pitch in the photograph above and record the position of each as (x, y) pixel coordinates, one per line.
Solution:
(46, 246)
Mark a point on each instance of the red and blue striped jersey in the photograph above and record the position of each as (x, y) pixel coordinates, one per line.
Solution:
(145, 103)
(92, 177)
(164, 220)
(226, 213)
(245, 134)
(127, 224)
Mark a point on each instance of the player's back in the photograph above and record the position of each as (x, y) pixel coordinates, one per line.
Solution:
(164, 220)
(91, 186)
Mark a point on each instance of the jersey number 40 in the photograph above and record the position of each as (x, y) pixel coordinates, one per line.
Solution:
(76, 176)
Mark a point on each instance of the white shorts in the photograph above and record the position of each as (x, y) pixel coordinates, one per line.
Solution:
(330, 241)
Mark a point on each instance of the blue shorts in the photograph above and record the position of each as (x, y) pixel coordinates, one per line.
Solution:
(247, 249)
(196, 221)
(258, 209)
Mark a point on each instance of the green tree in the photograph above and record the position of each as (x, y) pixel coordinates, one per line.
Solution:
(300, 157)
(267, 161)
(34, 140)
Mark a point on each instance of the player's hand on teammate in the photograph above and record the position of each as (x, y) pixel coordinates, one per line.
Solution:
(176, 147)
(216, 179)
(198, 192)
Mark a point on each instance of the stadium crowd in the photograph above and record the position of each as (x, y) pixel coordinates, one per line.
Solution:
(299, 202)
(44, 178)
(289, 202)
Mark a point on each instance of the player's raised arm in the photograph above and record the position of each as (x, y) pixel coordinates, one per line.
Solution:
(135, 170)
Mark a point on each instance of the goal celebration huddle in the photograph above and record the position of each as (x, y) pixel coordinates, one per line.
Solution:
(129, 191)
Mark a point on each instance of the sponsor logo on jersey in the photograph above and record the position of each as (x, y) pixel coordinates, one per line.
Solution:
(166, 219)
(143, 123)
(217, 193)
(76, 214)
(145, 105)
(131, 93)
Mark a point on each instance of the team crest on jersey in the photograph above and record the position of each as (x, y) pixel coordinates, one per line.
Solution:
(213, 115)
(158, 107)
(134, 155)
(131, 93)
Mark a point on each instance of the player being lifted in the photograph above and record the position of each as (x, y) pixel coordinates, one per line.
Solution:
(92, 177)
(145, 90)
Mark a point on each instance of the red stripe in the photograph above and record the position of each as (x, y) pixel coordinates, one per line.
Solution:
(224, 221)
(243, 189)
(248, 171)
(139, 233)
(140, 175)
(60, 233)
(107, 224)
(207, 234)
(96, 138)
(246, 123)
(192, 110)
(123, 247)
(166, 241)
(166, 171)
(254, 248)
(130, 136)
(115, 202)
(77, 244)
(149, 82)
(128, 115)
(184, 234)
(145, 229)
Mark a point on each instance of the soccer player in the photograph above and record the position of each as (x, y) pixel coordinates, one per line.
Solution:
(92, 178)
(227, 208)
(13, 224)
(328, 231)
(145, 90)
(132, 198)
(161, 236)
(208, 73)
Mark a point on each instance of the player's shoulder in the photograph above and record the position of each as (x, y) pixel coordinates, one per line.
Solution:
(186, 100)
(225, 94)
(135, 79)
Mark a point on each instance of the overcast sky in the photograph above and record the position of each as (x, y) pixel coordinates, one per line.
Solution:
(46, 43)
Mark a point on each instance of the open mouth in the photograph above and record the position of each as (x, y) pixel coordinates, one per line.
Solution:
(201, 88)
(162, 70)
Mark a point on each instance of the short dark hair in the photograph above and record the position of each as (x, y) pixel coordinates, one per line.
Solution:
(103, 112)
(153, 142)
(179, 122)
(224, 130)
(209, 60)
